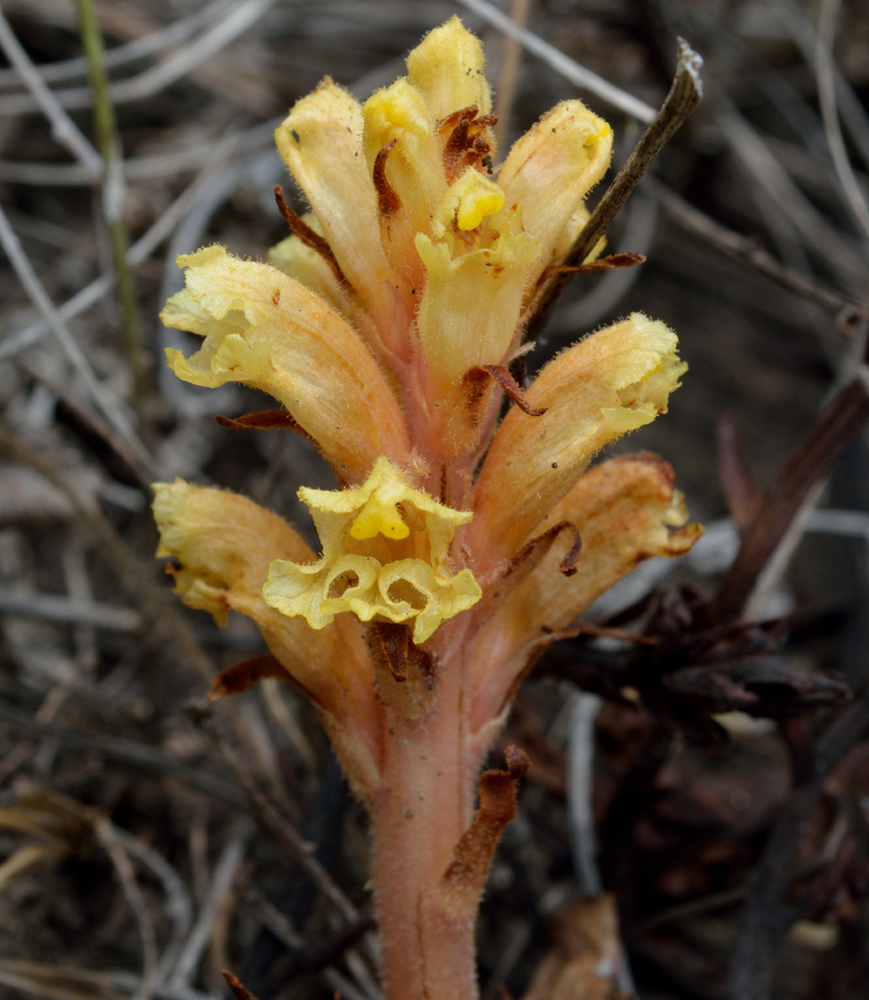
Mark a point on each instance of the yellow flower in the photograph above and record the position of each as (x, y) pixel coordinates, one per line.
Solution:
(385, 555)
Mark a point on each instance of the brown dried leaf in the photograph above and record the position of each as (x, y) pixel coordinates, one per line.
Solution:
(585, 954)
(388, 201)
(314, 241)
(263, 420)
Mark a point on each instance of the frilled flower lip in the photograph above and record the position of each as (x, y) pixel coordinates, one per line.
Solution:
(385, 557)
(267, 330)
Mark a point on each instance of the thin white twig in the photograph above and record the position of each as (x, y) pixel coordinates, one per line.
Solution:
(801, 30)
(816, 233)
(63, 128)
(136, 168)
(228, 864)
(52, 982)
(155, 79)
(59, 608)
(179, 908)
(141, 250)
(825, 74)
(173, 34)
(567, 67)
(101, 395)
(107, 836)
(580, 768)
(771, 575)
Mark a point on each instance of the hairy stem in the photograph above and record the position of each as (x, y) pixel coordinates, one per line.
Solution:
(418, 815)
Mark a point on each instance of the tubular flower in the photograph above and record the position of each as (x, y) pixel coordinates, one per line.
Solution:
(385, 326)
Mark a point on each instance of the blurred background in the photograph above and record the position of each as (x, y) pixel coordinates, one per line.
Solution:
(145, 845)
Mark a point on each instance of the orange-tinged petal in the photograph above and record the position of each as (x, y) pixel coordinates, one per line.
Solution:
(414, 169)
(626, 510)
(224, 543)
(321, 144)
(448, 66)
(470, 306)
(552, 168)
(610, 383)
(268, 331)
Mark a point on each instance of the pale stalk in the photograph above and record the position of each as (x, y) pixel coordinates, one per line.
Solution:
(424, 805)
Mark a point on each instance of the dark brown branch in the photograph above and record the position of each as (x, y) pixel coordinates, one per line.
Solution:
(685, 94)
(93, 422)
(737, 482)
(276, 823)
(746, 248)
(154, 601)
(314, 241)
(834, 428)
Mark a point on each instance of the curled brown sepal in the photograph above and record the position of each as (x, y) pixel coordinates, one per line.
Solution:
(539, 546)
(263, 420)
(239, 990)
(461, 885)
(388, 201)
(502, 376)
(267, 420)
(611, 263)
(314, 241)
(509, 575)
(241, 677)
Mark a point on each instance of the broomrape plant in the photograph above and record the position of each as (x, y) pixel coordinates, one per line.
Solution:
(456, 548)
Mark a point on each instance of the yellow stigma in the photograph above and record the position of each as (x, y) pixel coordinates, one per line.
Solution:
(385, 557)
(475, 197)
(378, 518)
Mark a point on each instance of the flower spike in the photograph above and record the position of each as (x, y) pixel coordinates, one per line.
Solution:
(389, 325)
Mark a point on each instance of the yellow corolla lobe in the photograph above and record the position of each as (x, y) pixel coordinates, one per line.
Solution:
(385, 556)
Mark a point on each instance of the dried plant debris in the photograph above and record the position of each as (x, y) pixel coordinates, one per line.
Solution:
(714, 775)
